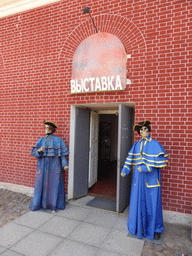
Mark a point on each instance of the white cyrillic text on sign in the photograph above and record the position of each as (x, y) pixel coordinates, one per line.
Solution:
(94, 84)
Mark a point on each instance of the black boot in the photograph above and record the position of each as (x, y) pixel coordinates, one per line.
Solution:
(157, 236)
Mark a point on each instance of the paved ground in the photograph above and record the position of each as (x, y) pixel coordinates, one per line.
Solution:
(175, 240)
(12, 205)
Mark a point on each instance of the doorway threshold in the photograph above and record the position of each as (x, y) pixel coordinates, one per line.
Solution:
(102, 196)
(95, 202)
(103, 203)
(84, 201)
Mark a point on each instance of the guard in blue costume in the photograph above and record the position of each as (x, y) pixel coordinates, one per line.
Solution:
(51, 153)
(145, 211)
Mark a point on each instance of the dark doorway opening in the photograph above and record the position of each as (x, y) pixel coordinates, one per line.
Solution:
(106, 184)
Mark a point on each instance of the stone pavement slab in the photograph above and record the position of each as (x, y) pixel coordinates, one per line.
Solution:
(102, 252)
(60, 226)
(71, 248)
(89, 234)
(33, 219)
(2, 249)
(121, 223)
(37, 244)
(102, 218)
(13, 233)
(119, 242)
(75, 212)
(11, 253)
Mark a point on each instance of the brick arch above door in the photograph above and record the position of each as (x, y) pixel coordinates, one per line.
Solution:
(123, 28)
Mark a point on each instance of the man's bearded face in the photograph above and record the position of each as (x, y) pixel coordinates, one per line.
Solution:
(144, 132)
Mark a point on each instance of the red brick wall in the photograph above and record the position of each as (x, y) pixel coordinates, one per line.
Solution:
(36, 51)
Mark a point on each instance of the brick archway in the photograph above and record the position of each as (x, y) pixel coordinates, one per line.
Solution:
(123, 28)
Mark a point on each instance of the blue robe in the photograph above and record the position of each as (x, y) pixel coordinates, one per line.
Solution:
(49, 186)
(145, 210)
